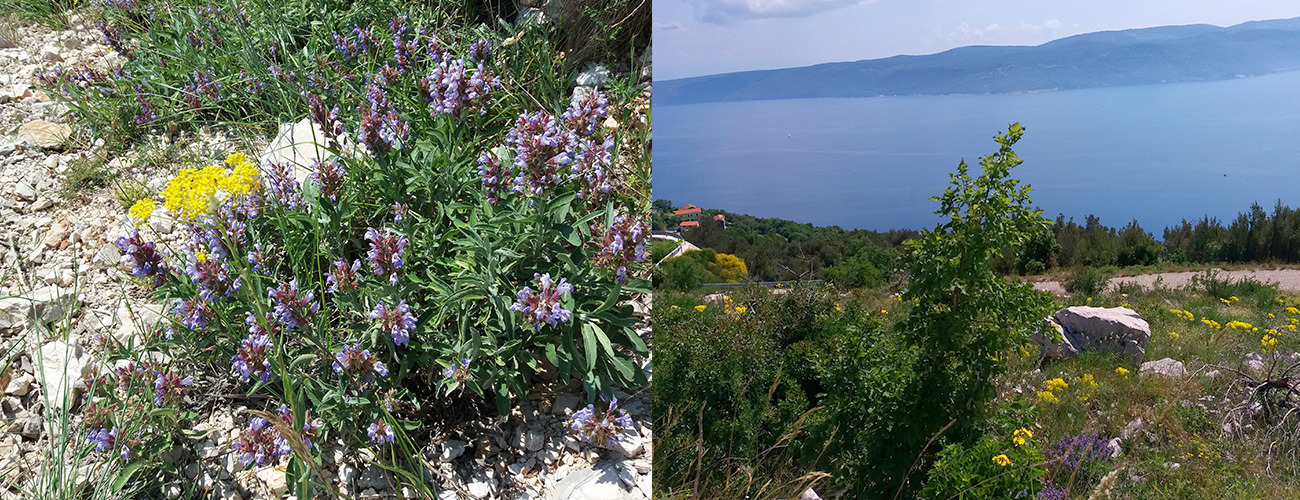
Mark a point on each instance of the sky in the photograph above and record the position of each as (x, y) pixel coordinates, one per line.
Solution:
(703, 37)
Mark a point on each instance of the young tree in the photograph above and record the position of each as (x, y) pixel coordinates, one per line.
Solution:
(966, 316)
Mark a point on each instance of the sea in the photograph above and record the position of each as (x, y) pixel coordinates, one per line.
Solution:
(1156, 153)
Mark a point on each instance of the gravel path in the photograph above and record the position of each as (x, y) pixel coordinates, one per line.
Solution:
(1286, 279)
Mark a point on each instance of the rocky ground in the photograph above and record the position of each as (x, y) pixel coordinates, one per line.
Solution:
(62, 274)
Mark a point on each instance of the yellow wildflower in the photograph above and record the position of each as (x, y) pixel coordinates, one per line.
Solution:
(1271, 316)
(1048, 397)
(838, 308)
(1269, 342)
(200, 256)
(1233, 298)
(1020, 435)
(1293, 310)
(1239, 325)
(142, 210)
(675, 307)
(700, 307)
(1226, 302)
(741, 309)
(194, 192)
(882, 311)
(1002, 460)
(1057, 384)
(1121, 370)
(1174, 335)
(1211, 323)
(1187, 315)
(1088, 380)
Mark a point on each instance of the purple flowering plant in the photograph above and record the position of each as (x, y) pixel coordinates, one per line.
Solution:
(443, 240)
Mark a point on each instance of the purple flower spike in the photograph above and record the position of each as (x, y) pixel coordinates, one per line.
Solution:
(170, 388)
(385, 253)
(605, 429)
(146, 260)
(330, 177)
(397, 321)
(341, 277)
(358, 363)
(623, 244)
(104, 439)
(495, 176)
(193, 313)
(282, 187)
(260, 444)
(544, 306)
(251, 357)
(291, 308)
(381, 129)
(459, 373)
(585, 113)
(380, 433)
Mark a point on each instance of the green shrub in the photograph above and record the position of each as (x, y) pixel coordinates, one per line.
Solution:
(661, 248)
(964, 319)
(866, 269)
(1259, 295)
(973, 473)
(1089, 281)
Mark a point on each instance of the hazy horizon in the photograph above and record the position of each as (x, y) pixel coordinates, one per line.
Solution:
(724, 36)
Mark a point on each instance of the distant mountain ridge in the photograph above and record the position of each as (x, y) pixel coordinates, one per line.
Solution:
(1195, 52)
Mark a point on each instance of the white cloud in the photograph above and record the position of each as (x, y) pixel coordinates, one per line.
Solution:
(732, 11)
(964, 33)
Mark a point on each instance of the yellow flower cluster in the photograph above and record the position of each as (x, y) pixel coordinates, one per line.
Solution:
(1021, 435)
(676, 307)
(1292, 310)
(142, 210)
(1002, 460)
(1240, 325)
(1121, 371)
(1187, 315)
(700, 307)
(1228, 301)
(1048, 397)
(1269, 342)
(1212, 323)
(729, 306)
(195, 192)
(1088, 380)
(1057, 384)
(1173, 335)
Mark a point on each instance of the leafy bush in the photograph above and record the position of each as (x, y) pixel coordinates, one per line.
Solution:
(870, 266)
(1089, 281)
(991, 469)
(661, 248)
(739, 385)
(1137, 247)
(965, 315)
(1260, 295)
(1039, 253)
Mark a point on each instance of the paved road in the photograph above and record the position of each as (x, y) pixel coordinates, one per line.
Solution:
(1286, 279)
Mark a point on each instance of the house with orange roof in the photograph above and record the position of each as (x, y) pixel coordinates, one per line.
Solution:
(687, 212)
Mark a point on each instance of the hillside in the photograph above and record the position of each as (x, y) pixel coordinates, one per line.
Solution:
(1102, 59)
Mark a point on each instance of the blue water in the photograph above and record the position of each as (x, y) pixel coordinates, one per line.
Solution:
(1157, 153)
